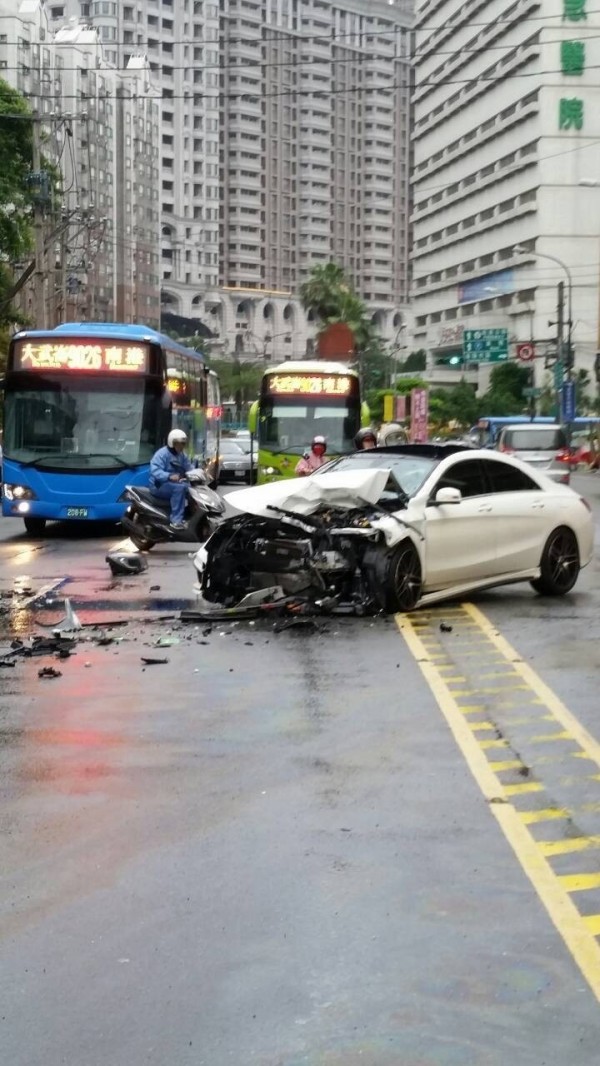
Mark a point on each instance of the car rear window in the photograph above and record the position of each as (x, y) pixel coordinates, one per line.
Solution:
(544, 439)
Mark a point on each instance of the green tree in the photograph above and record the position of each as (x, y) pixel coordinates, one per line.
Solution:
(414, 361)
(505, 395)
(330, 295)
(323, 291)
(239, 381)
(458, 404)
(15, 200)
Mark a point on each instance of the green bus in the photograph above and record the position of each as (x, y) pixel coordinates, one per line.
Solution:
(297, 401)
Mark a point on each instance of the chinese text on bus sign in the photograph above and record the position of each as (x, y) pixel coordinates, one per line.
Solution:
(129, 358)
(309, 385)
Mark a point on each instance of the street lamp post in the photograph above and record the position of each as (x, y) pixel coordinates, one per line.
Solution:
(520, 250)
(554, 259)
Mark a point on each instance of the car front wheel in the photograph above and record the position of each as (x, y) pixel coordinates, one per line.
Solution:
(395, 576)
(559, 565)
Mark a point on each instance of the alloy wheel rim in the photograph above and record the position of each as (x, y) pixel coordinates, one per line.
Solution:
(564, 559)
(408, 578)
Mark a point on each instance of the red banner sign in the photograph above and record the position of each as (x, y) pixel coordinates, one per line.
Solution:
(96, 356)
(419, 414)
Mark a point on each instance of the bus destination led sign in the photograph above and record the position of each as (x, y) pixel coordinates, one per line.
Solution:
(309, 385)
(107, 356)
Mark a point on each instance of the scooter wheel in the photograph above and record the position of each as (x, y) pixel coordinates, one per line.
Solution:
(141, 543)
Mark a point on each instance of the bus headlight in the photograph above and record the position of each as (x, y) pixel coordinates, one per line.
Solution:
(18, 492)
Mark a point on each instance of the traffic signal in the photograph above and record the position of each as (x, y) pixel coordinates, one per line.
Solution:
(455, 359)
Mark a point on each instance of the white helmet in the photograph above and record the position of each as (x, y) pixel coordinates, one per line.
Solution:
(176, 435)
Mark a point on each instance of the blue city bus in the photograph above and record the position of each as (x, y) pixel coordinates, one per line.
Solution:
(86, 405)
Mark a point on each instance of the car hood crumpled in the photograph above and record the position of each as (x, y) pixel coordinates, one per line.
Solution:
(304, 495)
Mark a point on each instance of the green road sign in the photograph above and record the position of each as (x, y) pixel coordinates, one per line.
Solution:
(485, 345)
(532, 394)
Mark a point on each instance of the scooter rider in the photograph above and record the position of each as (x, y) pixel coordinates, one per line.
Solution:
(313, 459)
(168, 468)
(365, 439)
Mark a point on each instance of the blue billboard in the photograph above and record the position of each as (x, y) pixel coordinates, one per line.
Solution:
(486, 288)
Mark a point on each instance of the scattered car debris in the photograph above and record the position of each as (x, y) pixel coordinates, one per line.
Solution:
(445, 628)
(154, 588)
(35, 646)
(125, 563)
(301, 622)
(150, 661)
(7, 663)
(49, 671)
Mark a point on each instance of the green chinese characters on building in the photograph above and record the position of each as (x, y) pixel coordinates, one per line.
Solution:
(574, 10)
(570, 115)
(572, 57)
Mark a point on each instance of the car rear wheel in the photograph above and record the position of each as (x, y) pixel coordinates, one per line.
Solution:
(395, 576)
(559, 565)
(35, 526)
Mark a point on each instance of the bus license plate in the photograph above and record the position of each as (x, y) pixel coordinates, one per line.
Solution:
(77, 512)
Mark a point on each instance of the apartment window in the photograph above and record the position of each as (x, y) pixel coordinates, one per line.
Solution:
(57, 12)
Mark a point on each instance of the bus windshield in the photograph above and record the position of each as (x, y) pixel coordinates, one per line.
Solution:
(289, 426)
(72, 421)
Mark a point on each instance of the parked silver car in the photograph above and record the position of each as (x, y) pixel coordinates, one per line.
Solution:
(544, 447)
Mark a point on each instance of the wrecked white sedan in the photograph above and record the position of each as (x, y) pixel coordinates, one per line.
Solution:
(397, 528)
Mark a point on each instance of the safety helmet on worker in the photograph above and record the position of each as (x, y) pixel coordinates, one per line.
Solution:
(176, 436)
(319, 445)
(363, 437)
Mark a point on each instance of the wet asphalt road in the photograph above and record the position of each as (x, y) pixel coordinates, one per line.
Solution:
(269, 849)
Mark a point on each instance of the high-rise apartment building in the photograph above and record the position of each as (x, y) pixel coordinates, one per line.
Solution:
(284, 143)
(506, 151)
(99, 127)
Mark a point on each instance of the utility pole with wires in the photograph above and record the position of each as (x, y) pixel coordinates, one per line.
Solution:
(40, 186)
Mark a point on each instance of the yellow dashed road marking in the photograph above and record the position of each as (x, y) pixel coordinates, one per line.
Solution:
(578, 931)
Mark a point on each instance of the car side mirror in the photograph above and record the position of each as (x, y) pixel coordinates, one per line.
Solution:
(447, 495)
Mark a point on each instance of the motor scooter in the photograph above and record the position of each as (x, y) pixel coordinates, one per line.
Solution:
(147, 520)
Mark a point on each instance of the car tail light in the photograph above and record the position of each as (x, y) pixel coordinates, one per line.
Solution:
(506, 449)
(564, 456)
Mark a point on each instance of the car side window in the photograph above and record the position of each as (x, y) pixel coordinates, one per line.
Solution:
(466, 475)
(506, 478)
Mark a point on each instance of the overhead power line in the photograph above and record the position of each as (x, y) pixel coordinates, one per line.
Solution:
(284, 35)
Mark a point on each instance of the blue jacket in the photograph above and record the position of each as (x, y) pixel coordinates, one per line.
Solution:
(165, 462)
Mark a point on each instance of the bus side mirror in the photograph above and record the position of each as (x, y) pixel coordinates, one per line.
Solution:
(252, 418)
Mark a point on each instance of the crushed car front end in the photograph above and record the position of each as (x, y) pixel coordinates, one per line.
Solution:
(327, 544)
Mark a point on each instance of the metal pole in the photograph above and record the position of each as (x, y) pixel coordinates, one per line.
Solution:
(39, 275)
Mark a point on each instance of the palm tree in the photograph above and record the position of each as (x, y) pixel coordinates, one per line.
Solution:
(323, 290)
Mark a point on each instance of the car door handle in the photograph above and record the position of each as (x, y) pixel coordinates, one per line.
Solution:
(485, 507)
(537, 506)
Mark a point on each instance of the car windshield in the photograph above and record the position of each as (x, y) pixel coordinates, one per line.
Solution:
(540, 439)
(409, 472)
(230, 447)
(71, 422)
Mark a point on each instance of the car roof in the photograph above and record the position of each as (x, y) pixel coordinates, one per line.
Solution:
(428, 451)
(528, 427)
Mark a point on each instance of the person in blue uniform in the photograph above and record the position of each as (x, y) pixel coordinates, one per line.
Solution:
(168, 468)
